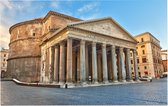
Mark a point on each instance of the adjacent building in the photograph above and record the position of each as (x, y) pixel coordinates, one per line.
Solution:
(3, 65)
(65, 50)
(149, 55)
(164, 54)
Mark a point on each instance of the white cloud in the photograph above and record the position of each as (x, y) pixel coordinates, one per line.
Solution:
(87, 7)
(8, 12)
(4, 36)
(93, 16)
(54, 4)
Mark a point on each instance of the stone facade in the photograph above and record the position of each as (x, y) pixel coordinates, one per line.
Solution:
(149, 55)
(72, 52)
(164, 54)
(24, 46)
(3, 65)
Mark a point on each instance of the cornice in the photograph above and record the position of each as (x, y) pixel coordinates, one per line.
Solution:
(38, 20)
(37, 56)
(41, 20)
(22, 39)
(148, 34)
(141, 43)
(92, 32)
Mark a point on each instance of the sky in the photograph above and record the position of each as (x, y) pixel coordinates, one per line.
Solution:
(136, 16)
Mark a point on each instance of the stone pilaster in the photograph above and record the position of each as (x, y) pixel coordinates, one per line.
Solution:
(135, 65)
(104, 64)
(82, 62)
(56, 64)
(128, 65)
(94, 63)
(114, 65)
(69, 61)
(122, 66)
(62, 63)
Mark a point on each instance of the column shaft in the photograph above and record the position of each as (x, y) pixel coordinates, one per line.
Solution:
(94, 62)
(78, 65)
(122, 66)
(74, 63)
(104, 64)
(87, 64)
(99, 67)
(119, 66)
(56, 64)
(51, 63)
(69, 60)
(135, 65)
(62, 63)
(128, 65)
(114, 65)
(82, 62)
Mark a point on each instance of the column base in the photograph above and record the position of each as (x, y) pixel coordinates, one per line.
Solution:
(115, 81)
(69, 83)
(83, 83)
(105, 82)
(95, 82)
(124, 81)
(61, 83)
(137, 80)
(54, 82)
(120, 80)
(130, 81)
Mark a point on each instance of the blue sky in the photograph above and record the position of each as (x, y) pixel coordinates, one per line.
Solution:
(136, 16)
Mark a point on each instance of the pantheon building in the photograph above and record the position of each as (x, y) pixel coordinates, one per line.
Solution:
(60, 49)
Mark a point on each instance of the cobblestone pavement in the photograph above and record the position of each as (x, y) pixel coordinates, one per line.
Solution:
(131, 94)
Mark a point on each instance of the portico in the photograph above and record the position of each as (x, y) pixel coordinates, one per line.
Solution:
(83, 54)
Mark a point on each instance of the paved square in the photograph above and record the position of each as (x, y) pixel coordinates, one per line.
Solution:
(131, 94)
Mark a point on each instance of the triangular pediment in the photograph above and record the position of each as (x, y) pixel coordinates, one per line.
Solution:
(105, 26)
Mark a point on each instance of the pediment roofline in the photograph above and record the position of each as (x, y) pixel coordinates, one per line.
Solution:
(61, 15)
(102, 19)
(96, 33)
(146, 33)
(67, 27)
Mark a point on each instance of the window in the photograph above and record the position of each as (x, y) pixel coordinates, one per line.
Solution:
(154, 60)
(142, 46)
(49, 27)
(139, 74)
(138, 68)
(34, 34)
(143, 51)
(145, 67)
(146, 73)
(142, 40)
(136, 53)
(3, 64)
(4, 60)
(137, 60)
(131, 68)
(131, 62)
(4, 55)
(131, 54)
(136, 47)
(143, 60)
